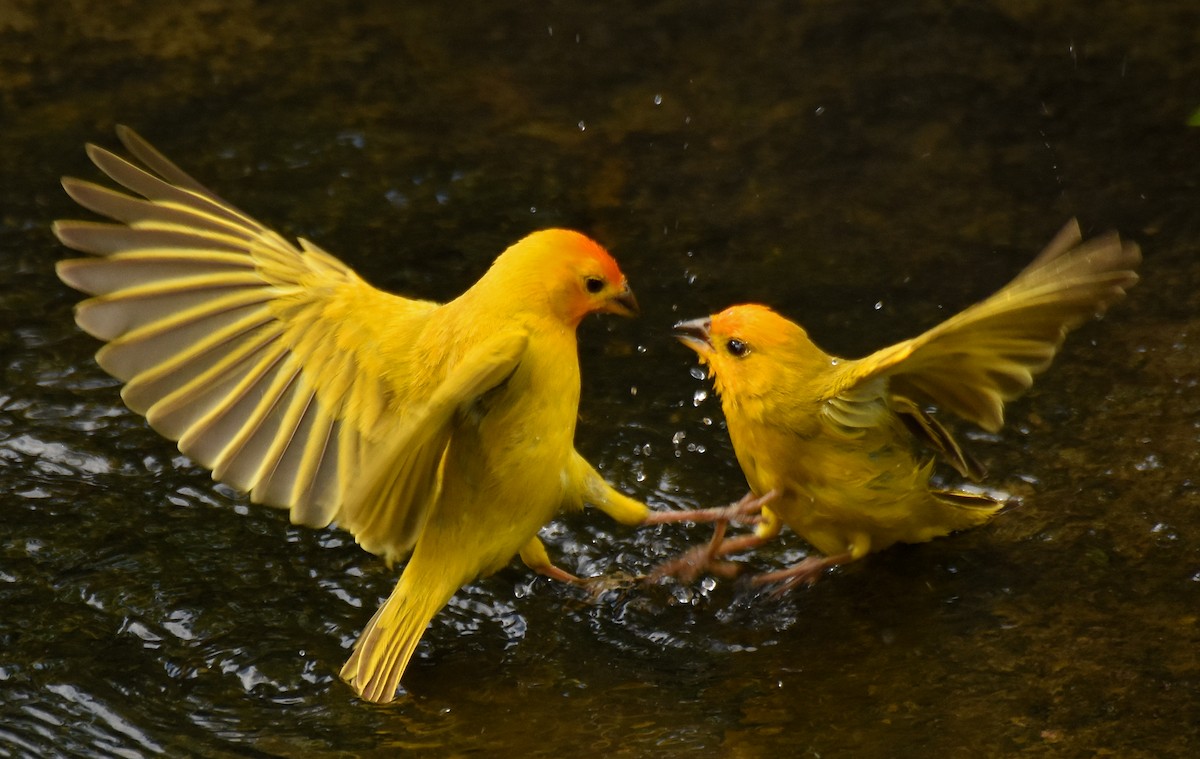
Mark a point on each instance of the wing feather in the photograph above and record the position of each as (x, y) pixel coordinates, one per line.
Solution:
(266, 360)
(974, 362)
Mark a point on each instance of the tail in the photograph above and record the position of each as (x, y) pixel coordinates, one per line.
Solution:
(959, 510)
(390, 638)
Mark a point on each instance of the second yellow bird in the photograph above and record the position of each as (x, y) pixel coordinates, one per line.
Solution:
(829, 442)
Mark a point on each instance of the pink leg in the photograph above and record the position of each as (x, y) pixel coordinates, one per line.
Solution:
(560, 574)
(745, 510)
(689, 566)
(806, 572)
(595, 586)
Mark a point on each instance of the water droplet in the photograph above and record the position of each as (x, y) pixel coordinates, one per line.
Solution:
(834, 361)
(1148, 464)
(582, 126)
(658, 99)
(1165, 531)
(878, 305)
(352, 138)
(533, 209)
(678, 437)
(633, 390)
(698, 372)
(698, 397)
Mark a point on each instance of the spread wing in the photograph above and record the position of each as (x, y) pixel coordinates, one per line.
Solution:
(273, 365)
(975, 361)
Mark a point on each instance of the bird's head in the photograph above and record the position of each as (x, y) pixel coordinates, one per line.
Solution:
(748, 348)
(574, 274)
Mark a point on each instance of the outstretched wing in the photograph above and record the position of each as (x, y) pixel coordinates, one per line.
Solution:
(269, 363)
(973, 362)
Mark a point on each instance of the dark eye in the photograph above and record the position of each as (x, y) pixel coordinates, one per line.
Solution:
(737, 347)
(593, 284)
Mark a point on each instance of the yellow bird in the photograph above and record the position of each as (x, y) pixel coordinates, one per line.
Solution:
(439, 432)
(828, 443)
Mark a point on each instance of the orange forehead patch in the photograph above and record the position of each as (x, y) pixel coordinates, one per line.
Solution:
(750, 320)
(574, 245)
(758, 326)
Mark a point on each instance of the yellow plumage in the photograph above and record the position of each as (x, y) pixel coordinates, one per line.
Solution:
(438, 432)
(829, 441)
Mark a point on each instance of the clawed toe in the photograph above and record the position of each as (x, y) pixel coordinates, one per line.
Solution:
(806, 572)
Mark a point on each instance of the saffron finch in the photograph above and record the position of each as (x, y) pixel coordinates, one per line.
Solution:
(828, 443)
(439, 432)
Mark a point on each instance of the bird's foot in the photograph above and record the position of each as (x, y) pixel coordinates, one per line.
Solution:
(690, 565)
(707, 558)
(613, 581)
(806, 572)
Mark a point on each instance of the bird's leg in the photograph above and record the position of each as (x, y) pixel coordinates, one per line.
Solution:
(688, 566)
(806, 572)
(745, 510)
(535, 557)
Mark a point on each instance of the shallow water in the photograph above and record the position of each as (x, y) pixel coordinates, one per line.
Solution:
(866, 168)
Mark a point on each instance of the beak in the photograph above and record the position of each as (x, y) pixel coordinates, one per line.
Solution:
(623, 303)
(695, 334)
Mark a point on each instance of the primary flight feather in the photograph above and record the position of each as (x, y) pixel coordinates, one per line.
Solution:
(440, 432)
(828, 443)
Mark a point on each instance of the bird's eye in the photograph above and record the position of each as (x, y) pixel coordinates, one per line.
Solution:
(593, 284)
(737, 347)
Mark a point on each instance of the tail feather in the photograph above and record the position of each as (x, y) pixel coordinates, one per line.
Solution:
(960, 510)
(389, 640)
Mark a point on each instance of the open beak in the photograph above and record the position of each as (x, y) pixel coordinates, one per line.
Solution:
(624, 304)
(695, 335)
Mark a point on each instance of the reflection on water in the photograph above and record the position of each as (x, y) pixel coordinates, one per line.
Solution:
(866, 168)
